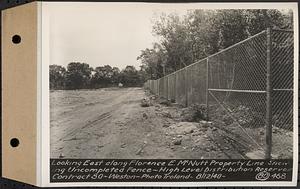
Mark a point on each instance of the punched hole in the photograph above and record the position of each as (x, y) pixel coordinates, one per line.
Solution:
(14, 142)
(16, 39)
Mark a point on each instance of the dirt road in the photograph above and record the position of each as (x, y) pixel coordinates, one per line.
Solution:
(107, 123)
(110, 123)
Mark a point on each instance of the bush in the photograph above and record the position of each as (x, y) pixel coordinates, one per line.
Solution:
(194, 113)
(245, 116)
(164, 101)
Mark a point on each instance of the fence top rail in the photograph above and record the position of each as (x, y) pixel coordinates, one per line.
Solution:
(238, 43)
(238, 91)
(283, 30)
(223, 50)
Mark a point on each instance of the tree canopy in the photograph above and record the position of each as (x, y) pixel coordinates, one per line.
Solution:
(200, 33)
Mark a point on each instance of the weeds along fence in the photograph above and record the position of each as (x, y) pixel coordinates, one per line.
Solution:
(247, 87)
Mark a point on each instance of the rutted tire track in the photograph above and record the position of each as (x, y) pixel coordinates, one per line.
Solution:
(89, 124)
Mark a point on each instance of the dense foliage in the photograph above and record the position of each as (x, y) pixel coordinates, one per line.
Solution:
(81, 76)
(199, 33)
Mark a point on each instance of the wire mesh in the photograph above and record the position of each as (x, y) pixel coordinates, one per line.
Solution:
(161, 90)
(282, 106)
(196, 90)
(237, 88)
(171, 87)
(181, 97)
(237, 82)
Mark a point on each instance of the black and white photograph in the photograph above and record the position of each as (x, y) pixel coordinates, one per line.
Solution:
(188, 83)
(151, 81)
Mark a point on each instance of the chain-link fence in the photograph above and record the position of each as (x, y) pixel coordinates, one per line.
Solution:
(247, 89)
(283, 93)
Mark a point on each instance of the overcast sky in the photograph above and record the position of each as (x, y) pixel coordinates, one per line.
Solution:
(99, 34)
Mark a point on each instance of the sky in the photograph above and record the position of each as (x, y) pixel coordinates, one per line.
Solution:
(99, 34)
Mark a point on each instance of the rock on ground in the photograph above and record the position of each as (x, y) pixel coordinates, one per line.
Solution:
(145, 102)
(177, 141)
(182, 128)
(258, 154)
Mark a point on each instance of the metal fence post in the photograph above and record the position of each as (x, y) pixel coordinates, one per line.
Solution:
(207, 94)
(167, 87)
(269, 97)
(175, 86)
(158, 87)
(186, 88)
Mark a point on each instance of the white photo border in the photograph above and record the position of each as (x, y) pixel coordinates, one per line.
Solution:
(43, 92)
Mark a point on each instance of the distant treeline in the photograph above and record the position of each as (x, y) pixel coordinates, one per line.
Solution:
(81, 76)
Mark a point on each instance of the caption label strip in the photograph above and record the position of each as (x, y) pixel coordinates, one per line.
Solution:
(171, 170)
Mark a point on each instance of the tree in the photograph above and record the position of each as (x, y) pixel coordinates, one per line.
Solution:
(115, 75)
(103, 76)
(57, 77)
(130, 77)
(78, 75)
(153, 61)
(143, 76)
(175, 42)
